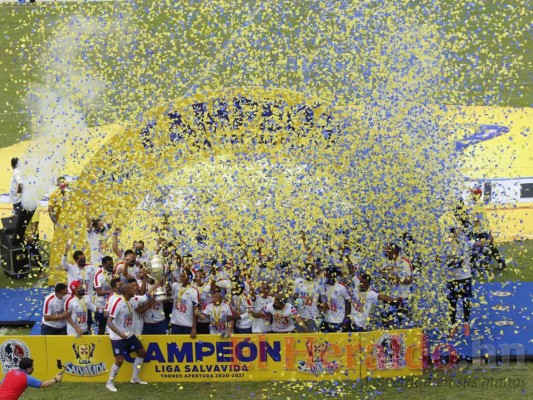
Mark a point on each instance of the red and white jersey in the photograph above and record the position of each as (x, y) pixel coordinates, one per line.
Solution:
(75, 273)
(335, 295)
(54, 306)
(109, 302)
(218, 317)
(79, 308)
(185, 299)
(138, 319)
(308, 292)
(155, 313)
(242, 304)
(282, 320)
(262, 325)
(101, 280)
(205, 298)
(362, 303)
(121, 312)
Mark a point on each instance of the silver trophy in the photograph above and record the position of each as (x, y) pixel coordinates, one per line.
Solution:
(158, 272)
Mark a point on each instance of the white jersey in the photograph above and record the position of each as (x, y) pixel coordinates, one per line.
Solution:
(218, 317)
(362, 303)
(138, 319)
(101, 280)
(98, 244)
(185, 299)
(122, 313)
(133, 270)
(109, 302)
(75, 273)
(335, 295)
(242, 304)
(79, 308)
(262, 325)
(308, 292)
(402, 269)
(205, 298)
(282, 320)
(155, 313)
(54, 306)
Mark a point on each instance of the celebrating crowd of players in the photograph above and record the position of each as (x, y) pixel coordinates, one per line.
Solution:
(222, 297)
(251, 293)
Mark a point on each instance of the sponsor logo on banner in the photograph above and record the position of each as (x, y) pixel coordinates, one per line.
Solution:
(11, 352)
(84, 364)
(390, 352)
(316, 362)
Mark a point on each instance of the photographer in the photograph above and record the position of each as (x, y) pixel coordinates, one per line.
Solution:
(17, 380)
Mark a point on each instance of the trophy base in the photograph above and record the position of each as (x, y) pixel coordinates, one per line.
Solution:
(161, 297)
(160, 294)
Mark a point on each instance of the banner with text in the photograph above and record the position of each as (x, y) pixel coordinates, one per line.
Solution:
(277, 357)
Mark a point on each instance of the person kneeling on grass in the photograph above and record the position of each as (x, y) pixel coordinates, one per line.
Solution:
(17, 380)
(120, 323)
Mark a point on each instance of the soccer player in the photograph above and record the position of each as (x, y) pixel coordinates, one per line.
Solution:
(17, 380)
(399, 274)
(283, 314)
(261, 322)
(155, 322)
(186, 302)
(54, 315)
(97, 236)
(484, 247)
(115, 283)
(204, 291)
(307, 292)
(80, 271)
(220, 316)
(140, 303)
(102, 287)
(334, 302)
(459, 278)
(242, 304)
(79, 304)
(363, 299)
(128, 267)
(120, 323)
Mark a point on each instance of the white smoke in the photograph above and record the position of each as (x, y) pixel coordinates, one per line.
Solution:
(58, 108)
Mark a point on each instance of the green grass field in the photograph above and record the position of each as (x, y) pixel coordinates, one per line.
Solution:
(477, 384)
